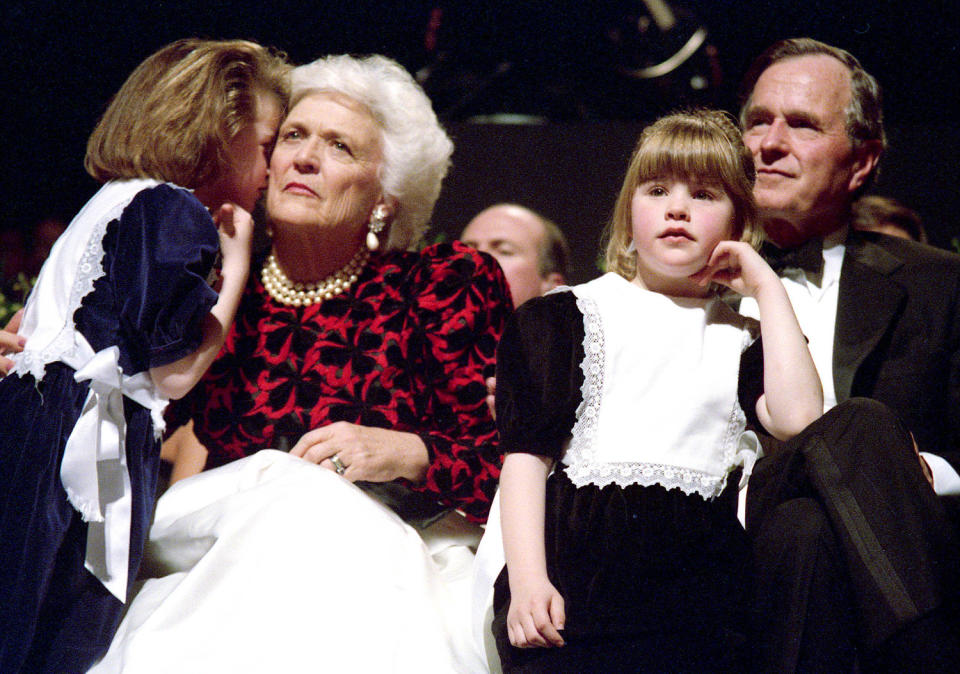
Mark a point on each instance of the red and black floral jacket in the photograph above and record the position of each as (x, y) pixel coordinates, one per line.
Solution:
(406, 348)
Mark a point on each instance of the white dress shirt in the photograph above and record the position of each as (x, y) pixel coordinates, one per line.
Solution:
(816, 310)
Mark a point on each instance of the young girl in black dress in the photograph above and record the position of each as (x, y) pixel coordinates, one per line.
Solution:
(123, 318)
(618, 407)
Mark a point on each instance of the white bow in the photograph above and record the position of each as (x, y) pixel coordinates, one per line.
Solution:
(94, 468)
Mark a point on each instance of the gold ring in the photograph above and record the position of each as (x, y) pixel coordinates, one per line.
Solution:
(338, 464)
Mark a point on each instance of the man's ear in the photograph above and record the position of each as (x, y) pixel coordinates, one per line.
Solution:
(551, 281)
(865, 161)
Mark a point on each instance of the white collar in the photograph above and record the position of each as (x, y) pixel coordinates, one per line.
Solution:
(834, 246)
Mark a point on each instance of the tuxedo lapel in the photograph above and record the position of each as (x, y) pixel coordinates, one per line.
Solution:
(868, 302)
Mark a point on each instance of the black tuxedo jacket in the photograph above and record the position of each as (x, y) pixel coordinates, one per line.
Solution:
(897, 336)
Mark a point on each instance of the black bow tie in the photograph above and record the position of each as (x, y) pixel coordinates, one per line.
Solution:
(807, 257)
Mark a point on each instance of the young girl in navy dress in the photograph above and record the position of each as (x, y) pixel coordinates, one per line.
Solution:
(617, 404)
(123, 318)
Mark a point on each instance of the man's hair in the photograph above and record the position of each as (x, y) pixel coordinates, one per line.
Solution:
(700, 144)
(175, 116)
(874, 210)
(554, 253)
(865, 110)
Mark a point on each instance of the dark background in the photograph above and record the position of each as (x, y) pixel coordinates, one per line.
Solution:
(557, 66)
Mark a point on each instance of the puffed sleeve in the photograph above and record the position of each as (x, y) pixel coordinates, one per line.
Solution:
(462, 302)
(539, 378)
(165, 249)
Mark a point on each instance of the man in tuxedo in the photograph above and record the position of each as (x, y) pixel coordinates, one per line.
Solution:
(856, 555)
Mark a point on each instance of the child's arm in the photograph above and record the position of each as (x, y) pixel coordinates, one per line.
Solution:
(175, 379)
(536, 608)
(792, 396)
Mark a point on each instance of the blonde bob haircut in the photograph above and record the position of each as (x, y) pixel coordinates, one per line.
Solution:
(175, 116)
(700, 145)
(416, 149)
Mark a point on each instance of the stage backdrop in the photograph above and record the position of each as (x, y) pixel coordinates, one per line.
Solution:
(571, 173)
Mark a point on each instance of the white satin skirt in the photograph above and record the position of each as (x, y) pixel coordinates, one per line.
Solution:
(273, 564)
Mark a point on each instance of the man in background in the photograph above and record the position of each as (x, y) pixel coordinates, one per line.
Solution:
(531, 249)
(888, 216)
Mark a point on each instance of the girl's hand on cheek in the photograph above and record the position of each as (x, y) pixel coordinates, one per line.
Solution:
(738, 266)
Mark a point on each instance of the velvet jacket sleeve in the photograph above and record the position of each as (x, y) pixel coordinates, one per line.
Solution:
(539, 377)
(461, 301)
(164, 248)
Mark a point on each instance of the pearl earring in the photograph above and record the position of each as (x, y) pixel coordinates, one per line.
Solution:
(377, 223)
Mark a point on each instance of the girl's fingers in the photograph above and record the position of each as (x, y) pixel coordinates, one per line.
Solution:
(558, 614)
(549, 633)
(515, 632)
(518, 639)
(224, 219)
(536, 627)
(531, 634)
(14, 323)
(546, 628)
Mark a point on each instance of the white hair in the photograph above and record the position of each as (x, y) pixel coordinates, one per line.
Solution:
(416, 149)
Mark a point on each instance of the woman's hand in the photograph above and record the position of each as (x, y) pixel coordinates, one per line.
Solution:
(536, 614)
(738, 266)
(365, 453)
(10, 342)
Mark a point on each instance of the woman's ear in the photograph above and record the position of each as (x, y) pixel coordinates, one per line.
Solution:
(386, 209)
(380, 219)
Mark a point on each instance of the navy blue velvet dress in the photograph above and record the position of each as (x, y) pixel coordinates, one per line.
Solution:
(55, 616)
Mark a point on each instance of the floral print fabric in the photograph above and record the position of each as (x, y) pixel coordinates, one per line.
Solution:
(407, 348)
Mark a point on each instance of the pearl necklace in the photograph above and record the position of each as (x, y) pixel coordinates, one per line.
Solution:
(293, 294)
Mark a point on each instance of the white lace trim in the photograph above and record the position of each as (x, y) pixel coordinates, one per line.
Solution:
(591, 392)
(585, 470)
(63, 347)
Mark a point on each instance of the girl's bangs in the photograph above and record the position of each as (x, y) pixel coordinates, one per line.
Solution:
(688, 153)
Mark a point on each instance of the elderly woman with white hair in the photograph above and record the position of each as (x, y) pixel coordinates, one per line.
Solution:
(350, 551)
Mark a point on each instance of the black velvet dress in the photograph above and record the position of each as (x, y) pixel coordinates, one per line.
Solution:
(652, 579)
